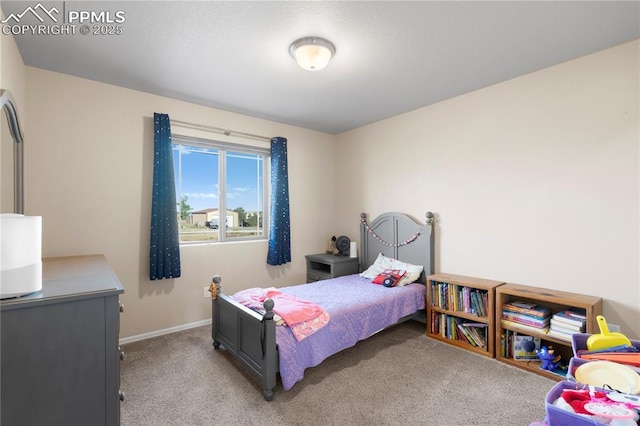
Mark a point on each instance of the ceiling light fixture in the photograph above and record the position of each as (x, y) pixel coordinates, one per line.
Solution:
(312, 53)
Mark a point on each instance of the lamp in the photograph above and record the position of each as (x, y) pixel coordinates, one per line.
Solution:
(312, 53)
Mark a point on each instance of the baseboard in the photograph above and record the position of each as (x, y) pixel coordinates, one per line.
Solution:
(164, 331)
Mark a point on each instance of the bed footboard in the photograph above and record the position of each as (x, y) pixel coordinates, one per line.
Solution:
(247, 335)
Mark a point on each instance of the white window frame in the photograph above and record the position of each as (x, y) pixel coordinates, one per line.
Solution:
(223, 147)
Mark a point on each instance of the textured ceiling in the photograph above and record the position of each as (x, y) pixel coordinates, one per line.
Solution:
(392, 57)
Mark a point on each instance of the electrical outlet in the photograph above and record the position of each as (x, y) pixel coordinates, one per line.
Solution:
(207, 293)
(613, 328)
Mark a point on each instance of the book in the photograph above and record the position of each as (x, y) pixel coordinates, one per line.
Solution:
(525, 347)
(523, 305)
(565, 326)
(575, 313)
(560, 335)
(528, 308)
(479, 336)
(459, 298)
(524, 327)
(464, 335)
(531, 313)
(478, 331)
(474, 333)
(475, 324)
(569, 317)
(562, 331)
(482, 302)
(525, 319)
(572, 314)
(503, 344)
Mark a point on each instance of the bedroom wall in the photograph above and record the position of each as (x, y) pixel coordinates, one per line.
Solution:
(89, 164)
(12, 78)
(13, 72)
(534, 181)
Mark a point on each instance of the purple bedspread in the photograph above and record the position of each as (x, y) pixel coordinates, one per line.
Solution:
(357, 308)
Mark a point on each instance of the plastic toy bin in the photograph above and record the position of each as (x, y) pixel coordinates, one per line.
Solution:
(579, 342)
(558, 417)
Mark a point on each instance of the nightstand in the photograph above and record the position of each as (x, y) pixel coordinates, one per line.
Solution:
(324, 266)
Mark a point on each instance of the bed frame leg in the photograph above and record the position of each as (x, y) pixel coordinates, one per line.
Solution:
(269, 354)
(215, 290)
(269, 394)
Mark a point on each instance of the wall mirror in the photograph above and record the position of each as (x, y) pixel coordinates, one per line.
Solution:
(11, 157)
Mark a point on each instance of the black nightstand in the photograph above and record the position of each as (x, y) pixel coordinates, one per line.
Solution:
(324, 266)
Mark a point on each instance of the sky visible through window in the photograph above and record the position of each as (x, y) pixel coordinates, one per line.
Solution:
(198, 168)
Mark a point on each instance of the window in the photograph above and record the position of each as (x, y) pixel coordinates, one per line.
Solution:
(220, 190)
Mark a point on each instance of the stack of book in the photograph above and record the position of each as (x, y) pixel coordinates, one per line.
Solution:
(565, 323)
(526, 316)
(475, 333)
(459, 298)
(454, 328)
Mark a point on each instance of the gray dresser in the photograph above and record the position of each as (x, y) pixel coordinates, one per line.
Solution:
(60, 360)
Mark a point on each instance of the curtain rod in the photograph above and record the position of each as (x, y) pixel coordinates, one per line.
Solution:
(225, 132)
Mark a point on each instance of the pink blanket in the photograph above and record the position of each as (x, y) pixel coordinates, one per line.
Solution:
(303, 317)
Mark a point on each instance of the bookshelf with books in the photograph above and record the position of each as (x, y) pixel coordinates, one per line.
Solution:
(461, 311)
(551, 306)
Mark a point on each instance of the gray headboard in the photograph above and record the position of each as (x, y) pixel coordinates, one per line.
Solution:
(399, 236)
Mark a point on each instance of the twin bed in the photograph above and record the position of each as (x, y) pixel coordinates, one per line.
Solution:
(357, 308)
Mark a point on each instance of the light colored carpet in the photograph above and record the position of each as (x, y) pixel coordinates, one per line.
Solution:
(397, 377)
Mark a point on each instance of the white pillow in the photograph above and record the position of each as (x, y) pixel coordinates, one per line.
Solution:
(413, 272)
(383, 262)
(377, 267)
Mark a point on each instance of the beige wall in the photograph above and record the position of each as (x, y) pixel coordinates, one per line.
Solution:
(12, 78)
(534, 180)
(89, 161)
(13, 72)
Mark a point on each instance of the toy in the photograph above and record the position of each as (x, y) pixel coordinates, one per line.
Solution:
(214, 287)
(332, 245)
(550, 361)
(606, 339)
(597, 403)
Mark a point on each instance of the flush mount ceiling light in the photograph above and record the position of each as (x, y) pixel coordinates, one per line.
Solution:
(312, 53)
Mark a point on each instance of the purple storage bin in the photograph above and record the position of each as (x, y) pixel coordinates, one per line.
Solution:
(579, 342)
(573, 364)
(558, 417)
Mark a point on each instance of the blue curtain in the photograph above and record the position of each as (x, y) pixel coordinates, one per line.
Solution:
(164, 256)
(279, 229)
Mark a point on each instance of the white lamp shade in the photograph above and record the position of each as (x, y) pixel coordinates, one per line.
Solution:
(20, 255)
(312, 53)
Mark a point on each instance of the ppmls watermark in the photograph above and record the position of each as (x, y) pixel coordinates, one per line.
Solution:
(58, 20)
